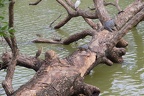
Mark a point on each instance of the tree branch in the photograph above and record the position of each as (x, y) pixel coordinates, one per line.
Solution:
(91, 23)
(131, 23)
(101, 11)
(35, 3)
(7, 83)
(73, 13)
(62, 23)
(114, 4)
(78, 36)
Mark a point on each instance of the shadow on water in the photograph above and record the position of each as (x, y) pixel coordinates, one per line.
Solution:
(126, 79)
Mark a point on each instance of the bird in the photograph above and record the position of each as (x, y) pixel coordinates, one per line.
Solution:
(77, 3)
(110, 25)
(38, 52)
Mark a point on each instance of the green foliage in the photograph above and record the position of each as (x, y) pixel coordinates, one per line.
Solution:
(4, 28)
(2, 3)
(12, 30)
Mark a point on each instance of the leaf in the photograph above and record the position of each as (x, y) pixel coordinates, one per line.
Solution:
(2, 34)
(4, 28)
(1, 17)
(12, 30)
(5, 23)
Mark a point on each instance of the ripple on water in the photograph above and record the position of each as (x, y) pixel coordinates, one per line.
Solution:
(126, 86)
(22, 75)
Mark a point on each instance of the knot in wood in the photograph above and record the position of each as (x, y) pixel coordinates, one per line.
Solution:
(50, 55)
(6, 57)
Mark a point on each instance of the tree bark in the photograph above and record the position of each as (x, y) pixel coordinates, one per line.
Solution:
(7, 83)
(72, 12)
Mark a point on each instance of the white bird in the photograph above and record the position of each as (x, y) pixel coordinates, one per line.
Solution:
(77, 3)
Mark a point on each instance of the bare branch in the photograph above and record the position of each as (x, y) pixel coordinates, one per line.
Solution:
(114, 4)
(68, 5)
(35, 3)
(101, 11)
(23, 60)
(71, 4)
(69, 40)
(117, 5)
(62, 23)
(120, 22)
(42, 40)
(54, 20)
(8, 41)
(91, 23)
(134, 21)
(78, 36)
(108, 3)
(68, 9)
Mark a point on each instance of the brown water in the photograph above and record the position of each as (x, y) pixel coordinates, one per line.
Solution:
(126, 79)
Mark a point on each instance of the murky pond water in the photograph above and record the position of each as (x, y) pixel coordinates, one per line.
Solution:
(126, 79)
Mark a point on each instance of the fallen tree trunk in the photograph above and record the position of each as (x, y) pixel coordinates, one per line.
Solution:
(64, 77)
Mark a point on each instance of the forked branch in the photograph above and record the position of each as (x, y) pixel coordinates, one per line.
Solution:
(7, 83)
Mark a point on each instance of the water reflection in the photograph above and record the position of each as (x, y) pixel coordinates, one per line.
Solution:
(124, 79)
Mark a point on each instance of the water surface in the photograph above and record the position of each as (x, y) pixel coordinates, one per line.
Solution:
(126, 79)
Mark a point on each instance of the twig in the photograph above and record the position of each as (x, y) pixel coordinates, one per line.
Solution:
(114, 4)
(91, 8)
(54, 20)
(35, 3)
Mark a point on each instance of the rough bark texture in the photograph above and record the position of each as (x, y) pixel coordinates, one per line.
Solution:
(7, 83)
(64, 77)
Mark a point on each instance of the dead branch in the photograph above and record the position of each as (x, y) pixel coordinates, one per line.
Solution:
(42, 40)
(101, 11)
(54, 21)
(91, 23)
(78, 36)
(62, 23)
(35, 3)
(23, 60)
(117, 5)
(72, 12)
(69, 40)
(109, 3)
(129, 14)
(131, 23)
(114, 4)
